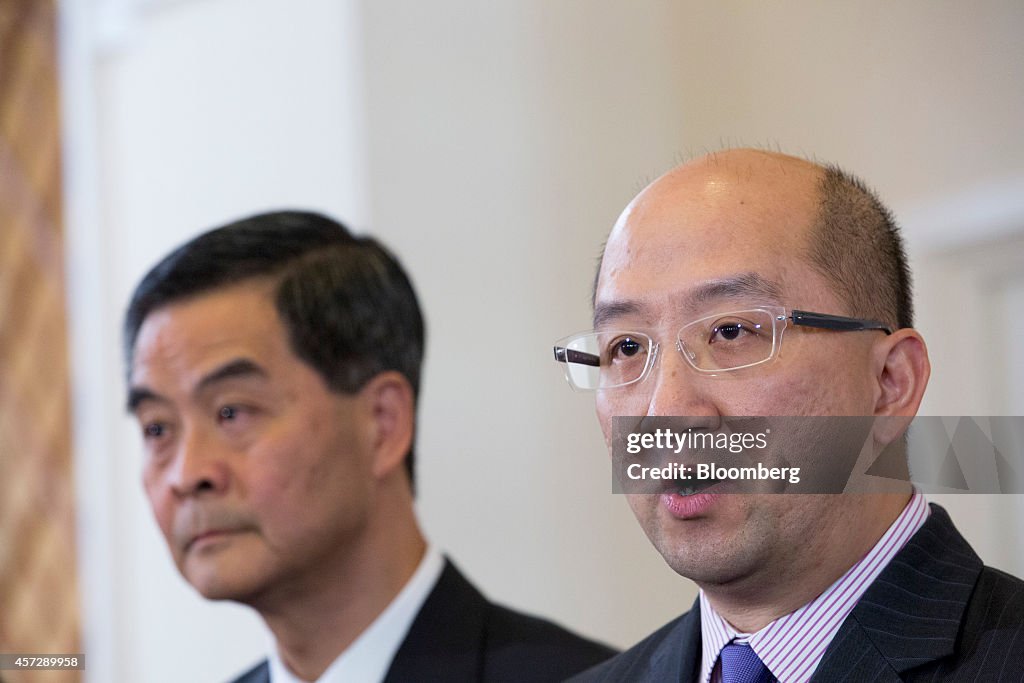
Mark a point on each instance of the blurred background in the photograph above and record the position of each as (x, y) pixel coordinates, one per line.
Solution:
(491, 145)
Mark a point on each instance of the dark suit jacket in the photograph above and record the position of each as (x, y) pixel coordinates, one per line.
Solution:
(934, 614)
(460, 637)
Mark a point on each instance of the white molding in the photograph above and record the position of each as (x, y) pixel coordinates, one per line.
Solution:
(973, 258)
(981, 214)
(118, 24)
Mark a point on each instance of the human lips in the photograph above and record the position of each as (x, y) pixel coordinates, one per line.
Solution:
(689, 499)
(196, 528)
(209, 537)
(688, 507)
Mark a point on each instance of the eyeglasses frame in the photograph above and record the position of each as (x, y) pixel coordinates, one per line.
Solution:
(823, 321)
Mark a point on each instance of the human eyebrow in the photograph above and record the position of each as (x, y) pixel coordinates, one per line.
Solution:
(607, 312)
(139, 395)
(239, 368)
(748, 285)
(744, 285)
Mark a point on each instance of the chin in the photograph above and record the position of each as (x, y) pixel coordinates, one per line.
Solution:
(217, 584)
(702, 573)
(706, 559)
(681, 555)
(221, 590)
(214, 588)
(704, 567)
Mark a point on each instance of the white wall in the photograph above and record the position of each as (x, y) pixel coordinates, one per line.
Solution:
(492, 145)
(973, 306)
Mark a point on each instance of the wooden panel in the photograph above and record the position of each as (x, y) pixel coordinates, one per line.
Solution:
(39, 606)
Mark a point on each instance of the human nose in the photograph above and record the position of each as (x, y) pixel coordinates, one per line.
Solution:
(200, 465)
(676, 389)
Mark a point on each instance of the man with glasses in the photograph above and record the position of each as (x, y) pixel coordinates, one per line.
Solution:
(755, 284)
(273, 368)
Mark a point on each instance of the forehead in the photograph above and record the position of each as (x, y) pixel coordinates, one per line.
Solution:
(714, 221)
(181, 341)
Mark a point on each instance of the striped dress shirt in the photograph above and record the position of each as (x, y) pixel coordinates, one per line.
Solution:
(793, 645)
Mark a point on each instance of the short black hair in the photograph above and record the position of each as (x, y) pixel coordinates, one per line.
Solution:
(349, 308)
(856, 245)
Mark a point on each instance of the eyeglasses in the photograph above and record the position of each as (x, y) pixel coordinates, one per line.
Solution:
(717, 343)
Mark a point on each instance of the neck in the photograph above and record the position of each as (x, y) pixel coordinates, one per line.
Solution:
(317, 620)
(752, 602)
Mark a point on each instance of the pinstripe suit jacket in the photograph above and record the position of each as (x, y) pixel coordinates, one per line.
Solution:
(936, 613)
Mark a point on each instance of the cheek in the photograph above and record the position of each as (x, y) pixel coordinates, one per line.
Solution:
(643, 506)
(160, 500)
(833, 376)
(810, 391)
(292, 468)
(273, 477)
(796, 396)
(340, 455)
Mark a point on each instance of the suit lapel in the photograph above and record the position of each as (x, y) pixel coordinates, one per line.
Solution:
(689, 632)
(911, 614)
(675, 657)
(853, 656)
(258, 674)
(445, 640)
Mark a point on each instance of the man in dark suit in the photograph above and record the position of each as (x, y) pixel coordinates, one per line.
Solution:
(273, 367)
(701, 275)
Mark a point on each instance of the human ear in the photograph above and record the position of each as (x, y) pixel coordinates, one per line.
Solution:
(901, 371)
(393, 410)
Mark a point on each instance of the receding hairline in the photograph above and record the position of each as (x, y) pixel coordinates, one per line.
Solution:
(746, 163)
(742, 160)
(842, 206)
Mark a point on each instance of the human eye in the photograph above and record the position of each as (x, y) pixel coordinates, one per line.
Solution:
(624, 348)
(232, 413)
(153, 431)
(227, 413)
(157, 434)
(733, 331)
(234, 416)
(154, 423)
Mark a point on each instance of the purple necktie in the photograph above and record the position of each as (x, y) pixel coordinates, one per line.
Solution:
(740, 664)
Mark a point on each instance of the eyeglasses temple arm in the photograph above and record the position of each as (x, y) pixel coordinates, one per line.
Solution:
(564, 355)
(837, 322)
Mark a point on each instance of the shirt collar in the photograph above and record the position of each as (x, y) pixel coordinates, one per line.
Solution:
(369, 656)
(792, 646)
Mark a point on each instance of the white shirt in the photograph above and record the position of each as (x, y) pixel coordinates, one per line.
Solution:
(369, 656)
